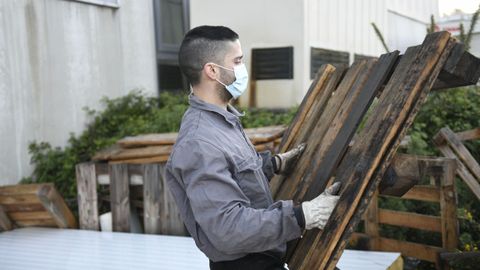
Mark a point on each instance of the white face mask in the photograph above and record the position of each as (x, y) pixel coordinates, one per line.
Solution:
(241, 80)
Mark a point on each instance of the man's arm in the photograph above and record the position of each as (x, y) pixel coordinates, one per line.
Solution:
(221, 208)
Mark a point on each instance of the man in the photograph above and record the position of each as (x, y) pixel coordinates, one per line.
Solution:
(218, 180)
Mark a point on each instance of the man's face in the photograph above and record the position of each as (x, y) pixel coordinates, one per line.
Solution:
(233, 57)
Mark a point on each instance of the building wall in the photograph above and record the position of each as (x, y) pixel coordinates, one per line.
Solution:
(260, 24)
(342, 25)
(58, 56)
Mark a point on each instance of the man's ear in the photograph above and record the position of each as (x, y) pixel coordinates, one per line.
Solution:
(210, 71)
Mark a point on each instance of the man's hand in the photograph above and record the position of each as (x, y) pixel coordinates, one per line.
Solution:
(286, 161)
(318, 210)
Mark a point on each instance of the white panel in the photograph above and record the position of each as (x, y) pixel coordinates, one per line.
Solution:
(404, 32)
(57, 57)
(66, 249)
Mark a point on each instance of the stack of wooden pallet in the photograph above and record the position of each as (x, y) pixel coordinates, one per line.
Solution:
(328, 121)
(153, 148)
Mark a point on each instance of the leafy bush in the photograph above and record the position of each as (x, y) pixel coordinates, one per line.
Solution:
(129, 115)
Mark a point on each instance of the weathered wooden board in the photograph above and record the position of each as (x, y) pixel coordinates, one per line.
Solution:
(364, 164)
(256, 136)
(331, 136)
(34, 205)
(461, 69)
(467, 168)
(473, 134)
(405, 92)
(308, 114)
(86, 176)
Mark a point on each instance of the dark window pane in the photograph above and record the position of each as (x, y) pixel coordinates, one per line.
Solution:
(272, 63)
(170, 77)
(172, 22)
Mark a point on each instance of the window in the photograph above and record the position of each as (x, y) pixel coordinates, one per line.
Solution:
(171, 24)
(272, 63)
(318, 57)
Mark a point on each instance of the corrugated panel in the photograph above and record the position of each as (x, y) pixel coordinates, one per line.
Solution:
(64, 249)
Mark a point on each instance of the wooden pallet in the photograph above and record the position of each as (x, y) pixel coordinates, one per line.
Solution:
(450, 144)
(328, 120)
(156, 148)
(33, 205)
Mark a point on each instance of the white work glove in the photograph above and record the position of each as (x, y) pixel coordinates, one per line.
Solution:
(286, 161)
(318, 210)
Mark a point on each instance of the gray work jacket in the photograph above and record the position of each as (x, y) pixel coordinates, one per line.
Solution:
(216, 178)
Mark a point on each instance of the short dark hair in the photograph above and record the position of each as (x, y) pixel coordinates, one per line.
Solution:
(201, 45)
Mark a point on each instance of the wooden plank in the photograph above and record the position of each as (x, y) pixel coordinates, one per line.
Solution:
(372, 222)
(23, 207)
(148, 139)
(142, 152)
(410, 249)
(298, 182)
(56, 207)
(152, 199)
(448, 207)
(256, 136)
(364, 165)
(22, 199)
(438, 50)
(423, 193)
(309, 112)
(462, 171)
(473, 134)
(446, 134)
(410, 220)
(87, 196)
(37, 223)
(141, 160)
(5, 222)
(265, 134)
(34, 215)
(15, 190)
(316, 92)
(346, 122)
(119, 194)
(420, 251)
(334, 132)
(107, 153)
(461, 69)
(401, 176)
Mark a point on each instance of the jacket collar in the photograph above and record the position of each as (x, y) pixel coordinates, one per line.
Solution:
(231, 115)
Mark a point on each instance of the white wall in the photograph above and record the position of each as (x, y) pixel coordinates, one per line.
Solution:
(260, 24)
(408, 21)
(57, 56)
(343, 25)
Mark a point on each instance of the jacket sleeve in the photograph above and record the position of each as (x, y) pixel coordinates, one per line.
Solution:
(222, 210)
(267, 164)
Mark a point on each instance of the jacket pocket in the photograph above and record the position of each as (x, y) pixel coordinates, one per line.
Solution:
(249, 177)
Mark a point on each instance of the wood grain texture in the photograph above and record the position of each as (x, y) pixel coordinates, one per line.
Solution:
(308, 114)
(401, 101)
(120, 197)
(87, 196)
(364, 164)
